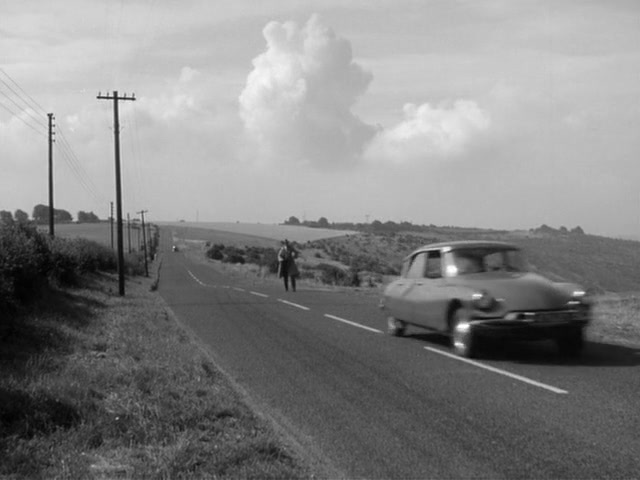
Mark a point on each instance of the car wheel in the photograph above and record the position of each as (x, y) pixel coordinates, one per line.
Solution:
(463, 338)
(395, 327)
(571, 342)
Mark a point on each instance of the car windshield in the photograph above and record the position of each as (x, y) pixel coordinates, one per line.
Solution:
(485, 259)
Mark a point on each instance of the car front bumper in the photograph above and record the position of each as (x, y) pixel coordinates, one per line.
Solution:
(531, 325)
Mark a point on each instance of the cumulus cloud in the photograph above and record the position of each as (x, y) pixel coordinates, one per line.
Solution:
(428, 132)
(298, 98)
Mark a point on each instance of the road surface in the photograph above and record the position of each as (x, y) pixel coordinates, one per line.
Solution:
(367, 405)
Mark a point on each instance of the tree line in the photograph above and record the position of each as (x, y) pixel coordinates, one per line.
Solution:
(40, 215)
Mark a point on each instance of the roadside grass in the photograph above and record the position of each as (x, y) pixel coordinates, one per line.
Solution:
(616, 319)
(93, 385)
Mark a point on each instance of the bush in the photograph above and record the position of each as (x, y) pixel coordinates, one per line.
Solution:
(216, 252)
(31, 260)
(23, 264)
(332, 275)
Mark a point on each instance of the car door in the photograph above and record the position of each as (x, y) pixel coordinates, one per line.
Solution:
(429, 293)
(405, 293)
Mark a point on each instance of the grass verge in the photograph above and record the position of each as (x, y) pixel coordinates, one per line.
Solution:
(93, 385)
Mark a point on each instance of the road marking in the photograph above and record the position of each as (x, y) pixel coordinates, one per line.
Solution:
(258, 294)
(238, 289)
(499, 371)
(349, 322)
(196, 278)
(302, 307)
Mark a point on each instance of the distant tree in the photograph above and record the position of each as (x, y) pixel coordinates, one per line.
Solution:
(87, 217)
(323, 222)
(292, 221)
(578, 230)
(376, 225)
(62, 216)
(5, 217)
(564, 230)
(40, 213)
(21, 216)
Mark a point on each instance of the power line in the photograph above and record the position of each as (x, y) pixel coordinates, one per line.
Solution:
(35, 105)
(17, 115)
(23, 110)
(74, 163)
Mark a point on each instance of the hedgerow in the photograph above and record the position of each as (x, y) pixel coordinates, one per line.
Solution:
(31, 260)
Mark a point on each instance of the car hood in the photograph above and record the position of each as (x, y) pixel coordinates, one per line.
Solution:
(519, 291)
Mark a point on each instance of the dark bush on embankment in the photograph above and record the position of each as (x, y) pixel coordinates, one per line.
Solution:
(31, 261)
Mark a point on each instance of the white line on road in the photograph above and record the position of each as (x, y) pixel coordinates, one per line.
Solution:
(349, 322)
(196, 278)
(302, 307)
(238, 289)
(258, 294)
(499, 371)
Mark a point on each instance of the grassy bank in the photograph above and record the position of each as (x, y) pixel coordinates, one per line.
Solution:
(93, 385)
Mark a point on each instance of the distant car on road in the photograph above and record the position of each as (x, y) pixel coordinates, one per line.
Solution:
(474, 289)
(175, 248)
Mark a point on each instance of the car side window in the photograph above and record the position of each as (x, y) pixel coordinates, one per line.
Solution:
(416, 269)
(434, 265)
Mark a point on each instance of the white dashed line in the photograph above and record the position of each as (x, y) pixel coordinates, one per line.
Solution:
(499, 371)
(354, 324)
(238, 289)
(301, 307)
(258, 294)
(196, 278)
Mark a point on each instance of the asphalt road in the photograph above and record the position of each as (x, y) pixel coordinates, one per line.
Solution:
(367, 405)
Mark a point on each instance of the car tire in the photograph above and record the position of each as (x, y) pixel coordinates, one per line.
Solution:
(395, 327)
(571, 342)
(464, 339)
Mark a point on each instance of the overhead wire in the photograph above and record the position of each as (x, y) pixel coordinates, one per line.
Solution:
(35, 105)
(135, 170)
(26, 107)
(75, 165)
(17, 115)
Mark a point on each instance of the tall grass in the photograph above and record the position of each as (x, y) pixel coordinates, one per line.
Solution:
(94, 385)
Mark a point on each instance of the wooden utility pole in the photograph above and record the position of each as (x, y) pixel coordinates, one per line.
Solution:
(144, 243)
(51, 211)
(116, 135)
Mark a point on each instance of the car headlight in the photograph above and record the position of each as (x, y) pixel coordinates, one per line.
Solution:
(483, 300)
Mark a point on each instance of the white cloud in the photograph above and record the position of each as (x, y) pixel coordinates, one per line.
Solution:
(297, 105)
(428, 132)
(298, 98)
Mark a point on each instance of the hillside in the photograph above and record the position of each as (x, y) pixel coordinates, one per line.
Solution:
(599, 263)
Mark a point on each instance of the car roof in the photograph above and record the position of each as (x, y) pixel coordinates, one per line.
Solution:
(460, 244)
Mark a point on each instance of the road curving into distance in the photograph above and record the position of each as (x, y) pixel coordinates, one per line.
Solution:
(368, 405)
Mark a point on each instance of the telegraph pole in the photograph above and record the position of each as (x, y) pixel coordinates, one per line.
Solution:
(144, 243)
(51, 211)
(116, 135)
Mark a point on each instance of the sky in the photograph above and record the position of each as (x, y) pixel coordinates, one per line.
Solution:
(504, 114)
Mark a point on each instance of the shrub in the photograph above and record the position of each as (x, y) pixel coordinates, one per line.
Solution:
(332, 275)
(23, 264)
(216, 252)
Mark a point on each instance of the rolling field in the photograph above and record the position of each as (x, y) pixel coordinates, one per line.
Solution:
(265, 231)
(96, 232)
